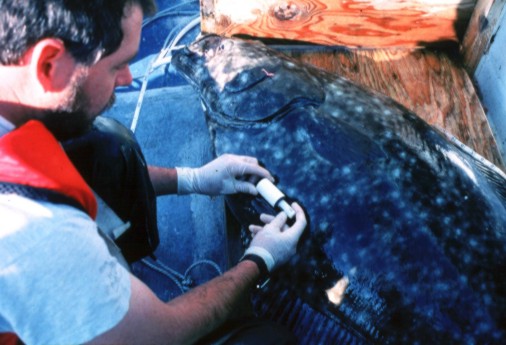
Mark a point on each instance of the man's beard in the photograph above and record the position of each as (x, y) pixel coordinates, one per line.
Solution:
(72, 119)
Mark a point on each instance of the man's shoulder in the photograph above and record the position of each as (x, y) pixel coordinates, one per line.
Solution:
(56, 251)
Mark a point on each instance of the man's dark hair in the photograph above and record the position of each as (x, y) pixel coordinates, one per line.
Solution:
(85, 26)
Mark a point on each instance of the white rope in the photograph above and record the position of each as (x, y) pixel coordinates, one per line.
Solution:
(183, 282)
(163, 58)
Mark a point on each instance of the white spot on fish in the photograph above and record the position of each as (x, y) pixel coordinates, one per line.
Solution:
(352, 190)
(346, 170)
(395, 194)
(332, 242)
(301, 135)
(396, 173)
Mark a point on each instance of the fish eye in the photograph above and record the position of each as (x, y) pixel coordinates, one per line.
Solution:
(225, 45)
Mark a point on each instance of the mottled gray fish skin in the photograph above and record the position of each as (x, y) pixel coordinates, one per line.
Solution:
(407, 232)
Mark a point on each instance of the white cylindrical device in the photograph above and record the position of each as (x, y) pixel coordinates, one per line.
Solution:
(274, 196)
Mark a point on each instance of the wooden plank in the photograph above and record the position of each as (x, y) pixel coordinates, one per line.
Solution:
(482, 27)
(353, 23)
(428, 83)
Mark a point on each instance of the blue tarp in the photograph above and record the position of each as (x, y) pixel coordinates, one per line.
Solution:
(172, 131)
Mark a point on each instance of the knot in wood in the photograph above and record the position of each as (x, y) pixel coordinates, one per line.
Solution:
(286, 10)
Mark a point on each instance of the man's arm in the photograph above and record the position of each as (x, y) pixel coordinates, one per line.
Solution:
(186, 318)
(193, 315)
(227, 174)
(164, 180)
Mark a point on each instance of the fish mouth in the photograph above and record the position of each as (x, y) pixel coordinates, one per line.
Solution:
(180, 59)
(190, 59)
(207, 45)
(187, 64)
(204, 47)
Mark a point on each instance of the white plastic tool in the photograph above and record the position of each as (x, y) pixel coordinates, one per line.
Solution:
(274, 196)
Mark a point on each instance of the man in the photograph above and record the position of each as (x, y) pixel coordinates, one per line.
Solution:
(59, 64)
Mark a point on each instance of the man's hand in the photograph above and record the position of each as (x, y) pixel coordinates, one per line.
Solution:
(276, 242)
(227, 174)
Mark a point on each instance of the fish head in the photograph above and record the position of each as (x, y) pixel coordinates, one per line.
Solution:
(244, 81)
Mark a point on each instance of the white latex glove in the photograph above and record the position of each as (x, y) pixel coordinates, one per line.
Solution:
(276, 242)
(227, 174)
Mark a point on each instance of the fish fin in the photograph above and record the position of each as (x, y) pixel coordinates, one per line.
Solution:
(494, 175)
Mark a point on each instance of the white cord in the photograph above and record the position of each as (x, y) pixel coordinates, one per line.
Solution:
(168, 12)
(183, 282)
(163, 58)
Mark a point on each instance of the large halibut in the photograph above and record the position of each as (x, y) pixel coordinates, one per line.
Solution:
(406, 240)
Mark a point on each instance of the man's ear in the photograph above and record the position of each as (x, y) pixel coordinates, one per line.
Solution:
(52, 64)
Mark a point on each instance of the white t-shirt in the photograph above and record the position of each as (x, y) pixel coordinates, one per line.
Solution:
(58, 282)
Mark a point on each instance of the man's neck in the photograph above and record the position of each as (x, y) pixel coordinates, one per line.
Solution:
(15, 99)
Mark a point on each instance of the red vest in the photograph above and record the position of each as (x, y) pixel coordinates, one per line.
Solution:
(30, 155)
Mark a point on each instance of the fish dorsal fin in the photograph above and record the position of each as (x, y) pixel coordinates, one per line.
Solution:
(494, 175)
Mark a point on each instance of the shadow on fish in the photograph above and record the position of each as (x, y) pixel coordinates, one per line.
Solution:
(407, 234)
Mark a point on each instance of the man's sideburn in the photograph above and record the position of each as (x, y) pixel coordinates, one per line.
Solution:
(71, 118)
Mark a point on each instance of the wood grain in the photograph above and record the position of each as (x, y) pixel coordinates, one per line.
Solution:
(482, 26)
(427, 82)
(353, 23)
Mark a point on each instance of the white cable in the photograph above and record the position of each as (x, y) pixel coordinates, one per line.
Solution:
(171, 275)
(183, 282)
(163, 58)
(160, 60)
(167, 12)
